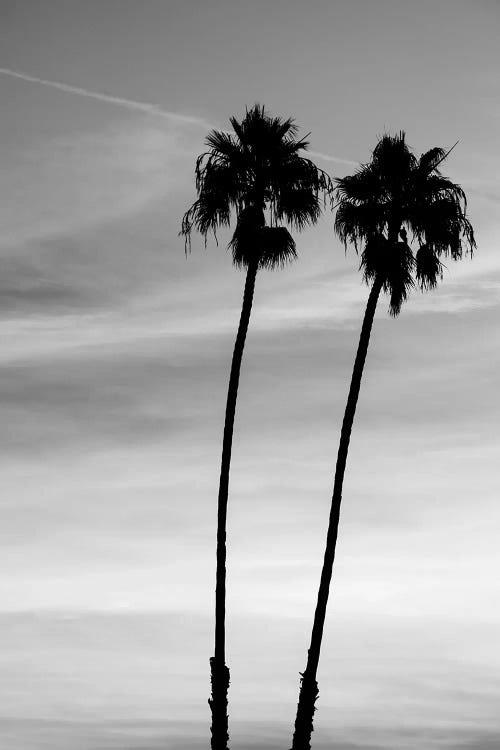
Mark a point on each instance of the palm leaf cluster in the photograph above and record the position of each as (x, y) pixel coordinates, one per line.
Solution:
(393, 195)
(258, 174)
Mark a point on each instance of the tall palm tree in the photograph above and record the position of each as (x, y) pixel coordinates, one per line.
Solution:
(257, 174)
(393, 193)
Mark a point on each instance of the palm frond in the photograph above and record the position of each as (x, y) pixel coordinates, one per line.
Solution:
(399, 292)
(429, 269)
(443, 225)
(399, 281)
(286, 130)
(277, 248)
(364, 186)
(269, 247)
(298, 191)
(245, 242)
(429, 160)
(219, 193)
(393, 264)
(375, 258)
(226, 147)
(391, 158)
(428, 187)
(206, 215)
(239, 130)
(298, 206)
(357, 223)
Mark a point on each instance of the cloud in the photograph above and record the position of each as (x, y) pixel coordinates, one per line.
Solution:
(37, 734)
(107, 394)
(76, 181)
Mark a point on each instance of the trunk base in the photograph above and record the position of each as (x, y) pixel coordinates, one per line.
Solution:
(308, 696)
(219, 677)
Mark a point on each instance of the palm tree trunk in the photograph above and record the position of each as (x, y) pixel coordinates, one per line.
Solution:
(309, 687)
(218, 668)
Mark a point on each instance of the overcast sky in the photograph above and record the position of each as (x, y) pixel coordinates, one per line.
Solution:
(115, 353)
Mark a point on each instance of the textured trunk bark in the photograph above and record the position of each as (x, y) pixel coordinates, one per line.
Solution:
(309, 687)
(219, 670)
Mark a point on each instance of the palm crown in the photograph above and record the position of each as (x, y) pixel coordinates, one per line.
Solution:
(258, 174)
(394, 192)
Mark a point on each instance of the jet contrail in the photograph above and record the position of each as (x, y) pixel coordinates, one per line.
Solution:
(131, 104)
(329, 157)
(145, 107)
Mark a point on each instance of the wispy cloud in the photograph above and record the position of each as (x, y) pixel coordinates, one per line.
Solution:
(130, 104)
(83, 178)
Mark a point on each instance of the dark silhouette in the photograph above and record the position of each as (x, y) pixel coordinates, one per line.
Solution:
(256, 173)
(375, 205)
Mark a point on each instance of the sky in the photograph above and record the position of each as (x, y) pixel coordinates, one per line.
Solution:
(114, 364)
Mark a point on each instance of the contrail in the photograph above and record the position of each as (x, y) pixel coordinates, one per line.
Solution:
(145, 107)
(130, 104)
(329, 157)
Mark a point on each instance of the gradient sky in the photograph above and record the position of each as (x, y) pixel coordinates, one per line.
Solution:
(114, 364)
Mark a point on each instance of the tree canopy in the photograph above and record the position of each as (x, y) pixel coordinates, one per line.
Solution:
(257, 174)
(396, 193)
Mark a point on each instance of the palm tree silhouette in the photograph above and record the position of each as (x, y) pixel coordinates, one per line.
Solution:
(394, 192)
(257, 174)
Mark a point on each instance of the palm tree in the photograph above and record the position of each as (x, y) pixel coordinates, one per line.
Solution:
(258, 174)
(393, 193)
